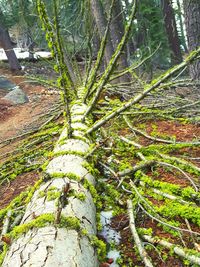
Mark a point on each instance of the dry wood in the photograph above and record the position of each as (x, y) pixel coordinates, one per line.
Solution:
(177, 250)
(138, 242)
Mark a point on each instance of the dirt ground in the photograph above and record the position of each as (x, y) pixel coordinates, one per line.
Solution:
(18, 119)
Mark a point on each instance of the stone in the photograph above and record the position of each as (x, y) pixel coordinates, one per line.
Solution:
(17, 96)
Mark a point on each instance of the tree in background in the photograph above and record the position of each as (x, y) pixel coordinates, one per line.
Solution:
(179, 18)
(171, 30)
(149, 33)
(116, 33)
(192, 22)
(7, 45)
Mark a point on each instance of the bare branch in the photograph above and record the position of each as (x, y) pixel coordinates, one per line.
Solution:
(177, 250)
(142, 251)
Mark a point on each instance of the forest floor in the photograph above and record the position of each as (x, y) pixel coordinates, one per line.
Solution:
(17, 120)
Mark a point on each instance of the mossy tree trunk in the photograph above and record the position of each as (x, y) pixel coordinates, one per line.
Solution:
(65, 198)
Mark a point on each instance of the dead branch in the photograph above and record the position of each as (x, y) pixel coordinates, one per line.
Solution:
(142, 251)
(177, 250)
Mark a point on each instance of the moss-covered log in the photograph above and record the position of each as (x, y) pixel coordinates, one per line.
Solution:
(60, 219)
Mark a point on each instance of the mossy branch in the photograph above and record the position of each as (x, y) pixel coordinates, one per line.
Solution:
(92, 76)
(103, 80)
(195, 259)
(142, 251)
(152, 86)
(134, 66)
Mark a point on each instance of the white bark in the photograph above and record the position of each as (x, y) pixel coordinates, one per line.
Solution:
(53, 246)
(195, 259)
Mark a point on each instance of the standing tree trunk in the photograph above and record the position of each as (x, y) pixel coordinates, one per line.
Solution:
(171, 30)
(101, 23)
(180, 17)
(192, 22)
(116, 33)
(6, 44)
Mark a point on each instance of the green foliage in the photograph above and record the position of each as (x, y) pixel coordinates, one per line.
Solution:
(151, 32)
(173, 209)
(42, 221)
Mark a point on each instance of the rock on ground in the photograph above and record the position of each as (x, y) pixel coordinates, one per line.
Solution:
(17, 96)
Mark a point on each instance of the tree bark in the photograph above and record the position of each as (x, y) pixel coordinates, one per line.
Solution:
(101, 23)
(6, 44)
(171, 30)
(54, 245)
(116, 33)
(192, 22)
(180, 14)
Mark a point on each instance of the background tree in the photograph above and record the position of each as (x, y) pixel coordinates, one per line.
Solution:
(171, 30)
(7, 45)
(192, 22)
(179, 18)
(116, 33)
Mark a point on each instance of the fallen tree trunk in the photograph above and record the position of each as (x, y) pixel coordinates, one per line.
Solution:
(51, 231)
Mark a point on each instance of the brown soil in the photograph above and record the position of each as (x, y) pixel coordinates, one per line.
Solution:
(15, 187)
(17, 119)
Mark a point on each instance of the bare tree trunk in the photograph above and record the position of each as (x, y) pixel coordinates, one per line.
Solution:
(101, 22)
(192, 21)
(181, 25)
(116, 33)
(172, 33)
(6, 44)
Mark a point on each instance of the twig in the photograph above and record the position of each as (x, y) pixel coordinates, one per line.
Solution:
(169, 196)
(137, 167)
(160, 220)
(177, 168)
(142, 251)
(177, 250)
(165, 223)
(109, 169)
(188, 226)
(155, 138)
(130, 142)
(91, 79)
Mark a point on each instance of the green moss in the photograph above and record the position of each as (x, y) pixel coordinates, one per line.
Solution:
(68, 152)
(73, 176)
(87, 185)
(69, 175)
(90, 168)
(42, 221)
(100, 246)
(174, 209)
(3, 254)
(81, 196)
(52, 195)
